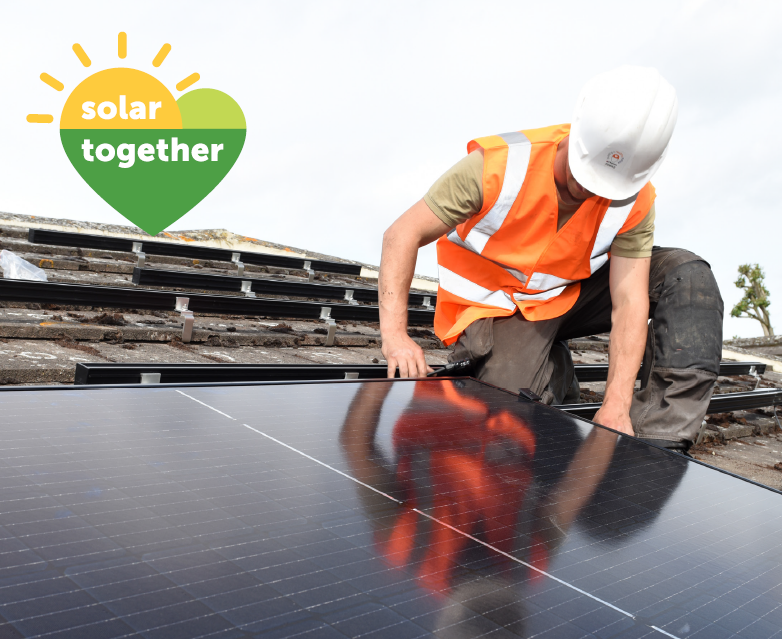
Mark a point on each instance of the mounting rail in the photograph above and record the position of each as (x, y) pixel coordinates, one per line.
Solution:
(140, 298)
(172, 249)
(719, 403)
(264, 286)
(599, 372)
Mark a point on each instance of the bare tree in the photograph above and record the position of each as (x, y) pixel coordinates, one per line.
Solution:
(755, 302)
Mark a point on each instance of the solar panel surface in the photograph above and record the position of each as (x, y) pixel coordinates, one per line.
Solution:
(379, 509)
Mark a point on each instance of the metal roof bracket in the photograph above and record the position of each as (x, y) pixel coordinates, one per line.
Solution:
(247, 288)
(308, 269)
(349, 297)
(187, 318)
(236, 259)
(142, 257)
(325, 315)
(150, 378)
(753, 370)
(428, 303)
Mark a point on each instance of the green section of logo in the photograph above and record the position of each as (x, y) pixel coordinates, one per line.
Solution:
(152, 176)
(143, 174)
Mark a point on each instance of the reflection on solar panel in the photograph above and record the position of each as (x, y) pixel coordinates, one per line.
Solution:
(380, 509)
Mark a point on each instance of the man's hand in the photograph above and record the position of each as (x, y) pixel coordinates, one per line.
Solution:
(403, 352)
(616, 417)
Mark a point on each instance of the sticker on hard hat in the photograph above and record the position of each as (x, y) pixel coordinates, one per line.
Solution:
(614, 159)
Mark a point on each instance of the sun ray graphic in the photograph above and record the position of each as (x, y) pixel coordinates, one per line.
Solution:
(188, 81)
(54, 83)
(161, 55)
(83, 57)
(150, 155)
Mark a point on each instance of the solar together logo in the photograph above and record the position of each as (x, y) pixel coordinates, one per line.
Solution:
(149, 156)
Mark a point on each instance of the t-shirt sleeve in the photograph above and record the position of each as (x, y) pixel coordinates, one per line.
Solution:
(458, 194)
(638, 241)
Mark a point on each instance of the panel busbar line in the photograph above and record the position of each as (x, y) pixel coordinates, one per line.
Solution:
(263, 286)
(380, 509)
(136, 298)
(114, 373)
(152, 247)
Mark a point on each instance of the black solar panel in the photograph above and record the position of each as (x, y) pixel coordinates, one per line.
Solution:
(379, 509)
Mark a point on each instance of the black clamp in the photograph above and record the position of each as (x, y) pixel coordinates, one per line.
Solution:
(526, 395)
(454, 369)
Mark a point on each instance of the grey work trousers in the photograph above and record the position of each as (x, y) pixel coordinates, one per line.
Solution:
(681, 361)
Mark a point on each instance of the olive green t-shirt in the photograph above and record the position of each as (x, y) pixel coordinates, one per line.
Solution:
(458, 195)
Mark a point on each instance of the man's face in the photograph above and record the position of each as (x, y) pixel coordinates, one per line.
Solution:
(570, 191)
(576, 190)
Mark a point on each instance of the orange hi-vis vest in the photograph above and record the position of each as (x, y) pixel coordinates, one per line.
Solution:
(510, 255)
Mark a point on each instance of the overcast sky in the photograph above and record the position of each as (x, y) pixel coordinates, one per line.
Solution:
(354, 108)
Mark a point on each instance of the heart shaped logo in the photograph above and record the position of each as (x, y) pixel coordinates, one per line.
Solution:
(149, 156)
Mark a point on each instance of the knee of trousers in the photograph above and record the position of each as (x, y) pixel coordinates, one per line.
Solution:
(687, 319)
(672, 405)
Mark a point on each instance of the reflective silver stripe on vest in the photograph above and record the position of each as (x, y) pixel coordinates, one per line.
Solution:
(613, 221)
(519, 149)
(545, 295)
(545, 282)
(464, 288)
(453, 236)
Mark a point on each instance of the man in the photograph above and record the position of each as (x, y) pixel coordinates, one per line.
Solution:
(546, 235)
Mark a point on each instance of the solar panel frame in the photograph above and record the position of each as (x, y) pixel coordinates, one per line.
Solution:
(114, 372)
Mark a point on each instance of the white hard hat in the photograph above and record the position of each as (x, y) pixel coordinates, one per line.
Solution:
(620, 131)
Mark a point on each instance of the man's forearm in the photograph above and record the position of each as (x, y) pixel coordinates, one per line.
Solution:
(629, 284)
(626, 349)
(397, 267)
